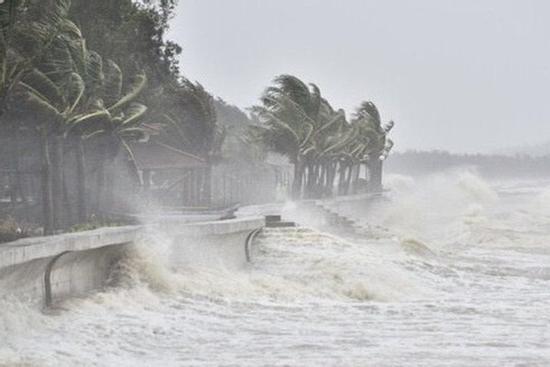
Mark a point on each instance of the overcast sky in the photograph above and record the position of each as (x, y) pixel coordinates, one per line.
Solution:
(464, 75)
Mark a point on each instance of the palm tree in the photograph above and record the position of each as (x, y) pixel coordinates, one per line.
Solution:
(111, 124)
(328, 138)
(289, 113)
(298, 122)
(27, 30)
(81, 97)
(104, 112)
(192, 126)
(375, 141)
(30, 33)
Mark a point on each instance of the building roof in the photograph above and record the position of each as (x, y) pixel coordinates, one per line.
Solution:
(158, 156)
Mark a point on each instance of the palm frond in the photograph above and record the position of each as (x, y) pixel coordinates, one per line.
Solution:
(133, 92)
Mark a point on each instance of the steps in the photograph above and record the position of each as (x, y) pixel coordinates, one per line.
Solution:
(318, 214)
(274, 221)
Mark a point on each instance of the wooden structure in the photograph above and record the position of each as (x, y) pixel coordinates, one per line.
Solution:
(171, 177)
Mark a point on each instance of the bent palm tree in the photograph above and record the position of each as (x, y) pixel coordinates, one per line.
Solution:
(30, 33)
(193, 127)
(27, 31)
(376, 143)
(82, 98)
(289, 113)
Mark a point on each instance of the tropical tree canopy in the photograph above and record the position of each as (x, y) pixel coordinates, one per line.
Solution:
(296, 121)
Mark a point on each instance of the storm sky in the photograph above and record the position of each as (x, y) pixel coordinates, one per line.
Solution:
(464, 75)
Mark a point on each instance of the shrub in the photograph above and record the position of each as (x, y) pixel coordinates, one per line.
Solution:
(10, 230)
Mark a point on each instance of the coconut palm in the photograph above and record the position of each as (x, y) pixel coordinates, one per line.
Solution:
(79, 96)
(376, 143)
(192, 126)
(111, 122)
(27, 32)
(30, 32)
(328, 138)
(291, 111)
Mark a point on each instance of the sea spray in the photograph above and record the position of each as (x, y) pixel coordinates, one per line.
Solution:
(437, 206)
(147, 262)
(317, 265)
(309, 298)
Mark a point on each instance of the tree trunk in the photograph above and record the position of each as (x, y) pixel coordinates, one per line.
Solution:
(47, 205)
(82, 199)
(208, 185)
(331, 174)
(18, 176)
(342, 178)
(57, 182)
(310, 184)
(13, 159)
(67, 208)
(298, 176)
(348, 179)
(355, 179)
(321, 187)
(100, 184)
(375, 175)
(109, 189)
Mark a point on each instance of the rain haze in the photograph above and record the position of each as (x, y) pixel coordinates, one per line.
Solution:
(465, 76)
(261, 183)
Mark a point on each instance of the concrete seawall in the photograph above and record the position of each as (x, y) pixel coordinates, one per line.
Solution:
(199, 243)
(48, 269)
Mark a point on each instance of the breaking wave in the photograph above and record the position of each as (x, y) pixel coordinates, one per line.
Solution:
(446, 247)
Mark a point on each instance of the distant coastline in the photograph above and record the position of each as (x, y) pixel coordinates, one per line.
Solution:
(488, 165)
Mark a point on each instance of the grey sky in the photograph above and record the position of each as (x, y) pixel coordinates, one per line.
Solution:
(464, 75)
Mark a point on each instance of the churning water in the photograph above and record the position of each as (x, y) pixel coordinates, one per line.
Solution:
(452, 272)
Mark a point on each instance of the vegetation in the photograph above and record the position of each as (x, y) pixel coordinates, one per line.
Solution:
(75, 95)
(296, 121)
(95, 223)
(10, 230)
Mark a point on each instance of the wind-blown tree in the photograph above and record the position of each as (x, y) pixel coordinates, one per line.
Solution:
(289, 113)
(296, 121)
(80, 97)
(111, 122)
(27, 30)
(321, 147)
(132, 34)
(349, 158)
(191, 125)
(197, 127)
(376, 142)
(236, 123)
(34, 33)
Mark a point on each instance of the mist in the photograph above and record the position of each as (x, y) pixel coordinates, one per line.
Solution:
(274, 183)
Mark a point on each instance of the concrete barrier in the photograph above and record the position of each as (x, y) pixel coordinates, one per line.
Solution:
(48, 269)
(218, 244)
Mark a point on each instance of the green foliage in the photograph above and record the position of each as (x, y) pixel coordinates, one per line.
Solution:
(238, 145)
(131, 33)
(11, 230)
(371, 132)
(296, 121)
(95, 223)
(191, 121)
(28, 31)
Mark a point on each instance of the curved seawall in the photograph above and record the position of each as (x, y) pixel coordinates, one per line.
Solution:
(47, 269)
